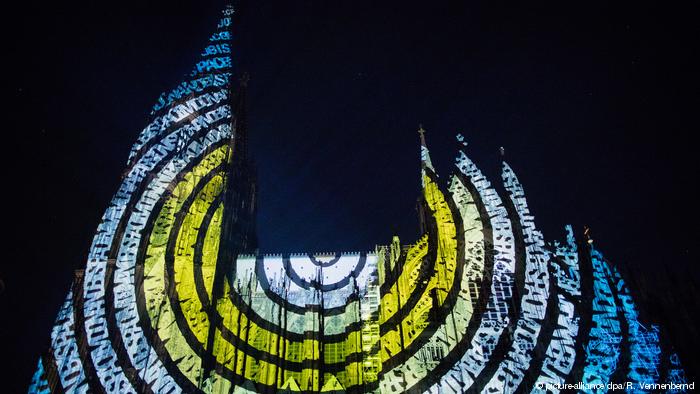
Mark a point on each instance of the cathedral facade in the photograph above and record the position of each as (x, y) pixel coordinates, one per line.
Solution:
(174, 297)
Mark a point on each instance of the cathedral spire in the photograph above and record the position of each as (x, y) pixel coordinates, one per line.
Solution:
(424, 153)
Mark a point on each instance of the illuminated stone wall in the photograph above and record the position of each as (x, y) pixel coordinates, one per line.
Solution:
(480, 302)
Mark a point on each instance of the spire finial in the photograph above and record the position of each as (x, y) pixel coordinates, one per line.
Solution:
(421, 132)
(587, 234)
(424, 153)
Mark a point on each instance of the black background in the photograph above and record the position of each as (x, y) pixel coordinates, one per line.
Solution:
(594, 103)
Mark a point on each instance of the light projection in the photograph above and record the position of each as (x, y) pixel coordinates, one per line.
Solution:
(174, 297)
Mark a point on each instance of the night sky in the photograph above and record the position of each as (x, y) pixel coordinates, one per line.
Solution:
(594, 104)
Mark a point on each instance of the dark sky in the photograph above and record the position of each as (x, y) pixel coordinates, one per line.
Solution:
(594, 103)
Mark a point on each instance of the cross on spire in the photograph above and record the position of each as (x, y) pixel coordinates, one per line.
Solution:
(421, 132)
